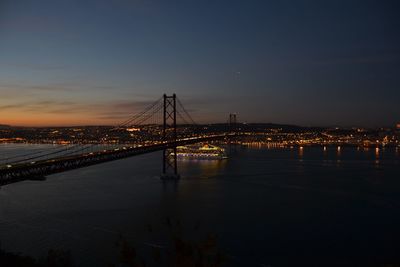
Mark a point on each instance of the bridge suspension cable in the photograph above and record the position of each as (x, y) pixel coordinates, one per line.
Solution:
(7, 159)
(137, 116)
(182, 117)
(186, 112)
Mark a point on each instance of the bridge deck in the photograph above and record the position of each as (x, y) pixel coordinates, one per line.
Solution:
(40, 169)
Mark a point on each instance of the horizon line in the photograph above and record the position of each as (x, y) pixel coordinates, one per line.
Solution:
(210, 123)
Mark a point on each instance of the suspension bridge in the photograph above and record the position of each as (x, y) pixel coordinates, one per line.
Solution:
(165, 115)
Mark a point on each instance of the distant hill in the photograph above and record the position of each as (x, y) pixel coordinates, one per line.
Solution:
(2, 126)
(284, 126)
(264, 126)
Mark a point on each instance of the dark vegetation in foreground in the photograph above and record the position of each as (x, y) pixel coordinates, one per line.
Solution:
(176, 251)
(54, 258)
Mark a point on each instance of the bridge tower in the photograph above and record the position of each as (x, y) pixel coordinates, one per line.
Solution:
(170, 167)
(232, 122)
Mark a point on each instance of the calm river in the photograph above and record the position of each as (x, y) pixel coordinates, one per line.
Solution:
(265, 207)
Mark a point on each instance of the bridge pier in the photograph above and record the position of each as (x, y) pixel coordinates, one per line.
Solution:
(170, 163)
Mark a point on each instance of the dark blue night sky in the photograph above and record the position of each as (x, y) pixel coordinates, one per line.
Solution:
(301, 62)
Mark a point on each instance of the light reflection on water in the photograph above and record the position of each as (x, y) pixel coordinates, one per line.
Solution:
(257, 201)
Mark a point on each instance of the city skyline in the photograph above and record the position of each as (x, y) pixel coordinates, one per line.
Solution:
(304, 63)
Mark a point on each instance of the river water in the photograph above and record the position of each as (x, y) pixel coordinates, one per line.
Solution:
(264, 207)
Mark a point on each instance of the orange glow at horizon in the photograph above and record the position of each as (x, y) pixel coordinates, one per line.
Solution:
(48, 119)
(38, 120)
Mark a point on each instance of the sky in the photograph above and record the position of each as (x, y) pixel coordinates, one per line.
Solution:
(305, 62)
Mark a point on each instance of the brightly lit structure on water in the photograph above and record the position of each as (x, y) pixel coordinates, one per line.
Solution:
(205, 151)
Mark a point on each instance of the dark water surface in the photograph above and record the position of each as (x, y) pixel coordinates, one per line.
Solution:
(267, 207)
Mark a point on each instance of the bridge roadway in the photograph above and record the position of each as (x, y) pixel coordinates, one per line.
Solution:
(39, 169)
